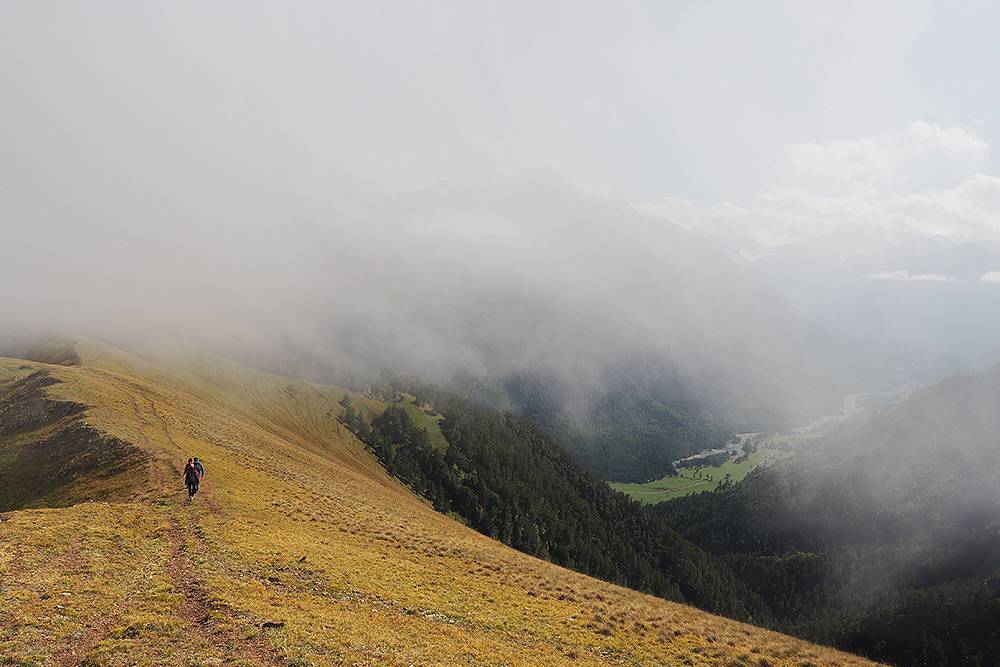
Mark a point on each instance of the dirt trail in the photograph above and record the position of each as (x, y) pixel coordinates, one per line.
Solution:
(162, 421)
(195, 607)
(78, 652)
(198, 610)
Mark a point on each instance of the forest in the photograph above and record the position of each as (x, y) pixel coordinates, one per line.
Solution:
(835, 570)
(629, 432)
(505, 477)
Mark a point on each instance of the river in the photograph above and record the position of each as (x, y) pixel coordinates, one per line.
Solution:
(852, 406)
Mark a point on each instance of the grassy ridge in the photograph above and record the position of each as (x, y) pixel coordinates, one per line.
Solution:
(300, 550)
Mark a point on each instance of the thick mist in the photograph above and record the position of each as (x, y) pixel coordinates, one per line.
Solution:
(517, 275)
(346, 193)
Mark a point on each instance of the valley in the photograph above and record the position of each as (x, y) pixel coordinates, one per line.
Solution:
(880, 536)
(693, 477)
(710, 469)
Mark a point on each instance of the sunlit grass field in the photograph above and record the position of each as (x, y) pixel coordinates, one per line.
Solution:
(707, 478)
(425, 418)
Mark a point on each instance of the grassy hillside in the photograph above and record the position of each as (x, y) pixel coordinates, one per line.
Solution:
(299, 549)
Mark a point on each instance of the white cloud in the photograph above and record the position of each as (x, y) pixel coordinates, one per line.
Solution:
(862, 184)
(867, 165)
(990, 277)
(968, 211)
(926, 137)
(911, 277)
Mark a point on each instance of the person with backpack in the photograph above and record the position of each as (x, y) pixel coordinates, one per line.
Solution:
(191, 478)
(200, 466)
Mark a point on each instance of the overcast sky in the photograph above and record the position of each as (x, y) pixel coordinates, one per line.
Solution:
(153, 146)
(782, 109)
(393, 176)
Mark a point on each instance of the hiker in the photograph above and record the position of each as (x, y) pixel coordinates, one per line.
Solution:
(201, 468)
(191, 478)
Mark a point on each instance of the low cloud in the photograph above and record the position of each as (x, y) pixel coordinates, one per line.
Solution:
(901, 183)
(868, 165)
(911, 277)
(990, 277)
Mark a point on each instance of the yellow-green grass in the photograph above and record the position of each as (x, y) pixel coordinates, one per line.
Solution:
(702, 478)
(300, 550)
(425, 417)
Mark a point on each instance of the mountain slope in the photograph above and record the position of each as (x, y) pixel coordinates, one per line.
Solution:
(866, 536)
(298, 550)
(503, 476)
(623, 430)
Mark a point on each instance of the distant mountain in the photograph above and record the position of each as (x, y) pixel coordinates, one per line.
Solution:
(865, 537)
(917, 303)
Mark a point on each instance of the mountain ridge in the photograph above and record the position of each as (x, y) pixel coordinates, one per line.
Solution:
(321, 559)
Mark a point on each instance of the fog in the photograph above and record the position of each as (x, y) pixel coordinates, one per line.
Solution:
(578, 190)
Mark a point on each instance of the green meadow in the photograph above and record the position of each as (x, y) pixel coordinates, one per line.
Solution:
(702, 478)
